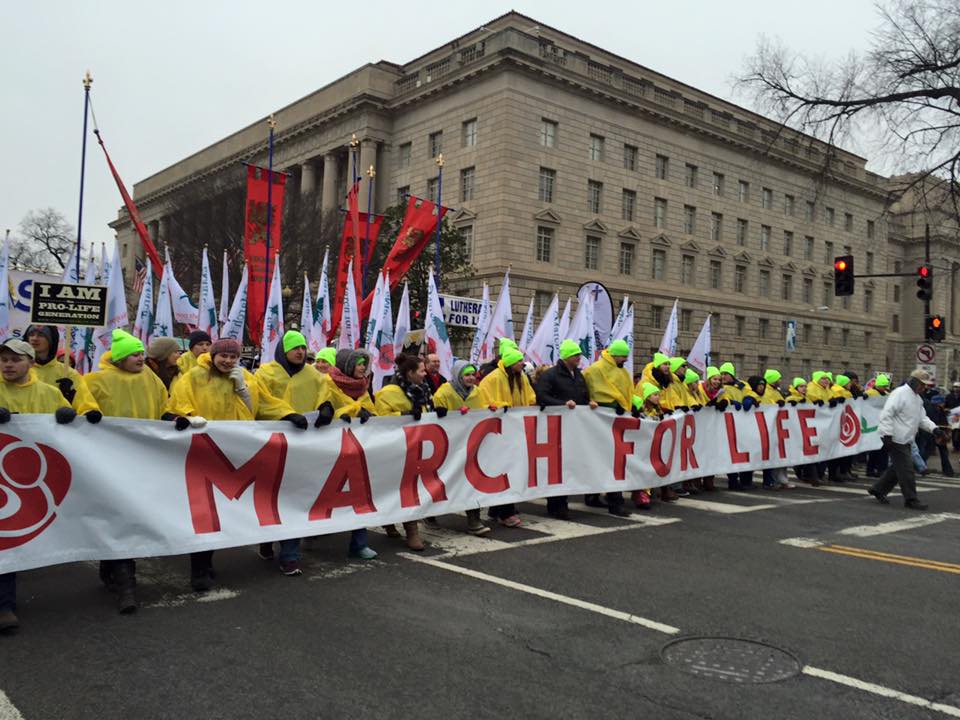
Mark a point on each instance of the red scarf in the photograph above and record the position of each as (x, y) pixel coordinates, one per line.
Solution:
(351, 387)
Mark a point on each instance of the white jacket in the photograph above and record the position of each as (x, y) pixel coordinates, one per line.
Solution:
(903, 415)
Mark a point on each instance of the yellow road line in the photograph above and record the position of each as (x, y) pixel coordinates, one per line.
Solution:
(893, 559)
(878, 553)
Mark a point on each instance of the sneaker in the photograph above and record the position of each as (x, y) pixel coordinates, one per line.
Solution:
(914, 505)
(681, 492)
(477, 528)
(291, 568)
(364, 553)
(511, 522)
(594, 501)
(9, 623)
(786, 486)
(619, 511)
(201, 582)
(265, 552)
(641, 499)
(562, 514)
(882, 499)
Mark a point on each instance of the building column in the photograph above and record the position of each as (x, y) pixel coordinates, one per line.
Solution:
(368, 157)
(329, 196)
(308, 178)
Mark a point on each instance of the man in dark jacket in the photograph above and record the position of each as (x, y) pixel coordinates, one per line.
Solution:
(950, 402)
(563, 384)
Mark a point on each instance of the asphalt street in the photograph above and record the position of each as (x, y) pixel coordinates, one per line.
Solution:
(853, 605)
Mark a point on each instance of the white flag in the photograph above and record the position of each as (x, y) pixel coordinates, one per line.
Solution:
(104, 273)
(501, 323)
(527, 335)
(207, 313)
(543, 349)
(699, 356)
(233, 327)
(581, 330)
(183, 310)
(564, 329)
(272, 317)
(143, 320)
(163, 317)
(402, 326)
(320, 333)
(5, 293)
(224, 292)
(117, 316)
(480, 350)
(435, 330)
(81, 345)
(623, 330)
(376, 311)
(621, 319)
(70, 276)
(349, 317)
(668, 345)
(383, 346)
(306, 312)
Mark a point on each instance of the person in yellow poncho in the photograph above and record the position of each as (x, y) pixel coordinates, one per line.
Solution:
(507, 386)
(798, 391)
(818, 390)
(44, 340)
(198, 343)
(648, 403)
(798, 394)
(734, 392)
(877, 460)
(162, 356)
(676, 395)
(881, 386)
(775, 478)
(21, 392)
(697, 398)
(610, 385)
(219, 388)
(839, 469)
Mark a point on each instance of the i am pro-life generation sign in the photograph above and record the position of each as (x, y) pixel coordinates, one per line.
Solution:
(56, 303)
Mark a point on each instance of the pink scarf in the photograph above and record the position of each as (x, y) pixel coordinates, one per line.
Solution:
(351, 387)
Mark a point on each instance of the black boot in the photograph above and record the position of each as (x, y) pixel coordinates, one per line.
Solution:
(201, 571)
(125, 580)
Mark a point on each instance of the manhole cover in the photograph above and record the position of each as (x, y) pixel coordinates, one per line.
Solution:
(730, 659)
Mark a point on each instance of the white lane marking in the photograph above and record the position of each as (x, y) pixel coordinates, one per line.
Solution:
(800, 542)
(855, 490)
(638, 516)
(937, 483)
(546, 594)
(215, 595)
(8, 710)
(898, 525)
(886, 692)
(332, 572)
(731, 509)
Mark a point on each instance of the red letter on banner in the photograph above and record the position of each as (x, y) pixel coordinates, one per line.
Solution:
(782, 433)
(808, 433)
(688, 435)
(417, 466)
(621, 447)
(551, 450)
(350, 467)
(656, 447)
(735, 455)
(471, 468)
(207, 467)
(764, 435)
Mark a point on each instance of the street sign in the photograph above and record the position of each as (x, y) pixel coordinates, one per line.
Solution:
(930, 368)
(460, 311)
(926, 353)
(57, 303)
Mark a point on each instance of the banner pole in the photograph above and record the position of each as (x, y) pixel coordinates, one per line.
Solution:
(436, 254)
(273, 124)
(87, 82)
(371, 174)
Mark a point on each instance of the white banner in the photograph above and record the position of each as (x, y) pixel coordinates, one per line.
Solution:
(461, 311)
(138, 488)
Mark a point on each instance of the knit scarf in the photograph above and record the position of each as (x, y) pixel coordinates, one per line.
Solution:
(353, 388)
(418, 395)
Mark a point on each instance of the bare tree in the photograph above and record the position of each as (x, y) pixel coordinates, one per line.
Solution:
(46, 242)
(904, 92)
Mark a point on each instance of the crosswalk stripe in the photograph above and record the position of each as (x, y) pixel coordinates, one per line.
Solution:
(898, 525)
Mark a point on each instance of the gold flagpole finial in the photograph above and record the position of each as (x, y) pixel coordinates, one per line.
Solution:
(87, 80)
(272, 121)
(371, 172)
(439, 160)
(353, 141)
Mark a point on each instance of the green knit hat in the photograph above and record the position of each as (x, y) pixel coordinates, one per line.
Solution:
(468, 370)
(728, 368)
(511, 356)
(798, 381)
(637, 402)
(829, 375)
(842, 380)
(293, 339)
(123, 345)
(569, 348)
(505, 343)
(619, 348)
(772, 376)
(648, 390)
(712, 372)
(660, 359)
(818, 376)
(329, 354)
(676, 363)
(691, 377)
(882, 380)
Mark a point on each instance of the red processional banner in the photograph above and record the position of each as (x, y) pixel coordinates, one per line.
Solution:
(351, 245)
(255, 240)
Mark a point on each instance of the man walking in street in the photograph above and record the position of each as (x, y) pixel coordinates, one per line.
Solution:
(901, 417)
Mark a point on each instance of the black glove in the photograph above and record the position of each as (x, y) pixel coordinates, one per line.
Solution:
(887, 442)
(65, 415)
(441, 412)
(833, 402)
(635, 413)
(346, 419)
(542, 408)
(67, 389)
(720, 406)
(505, 408)
(712, 403)
(793, 403)
(168, 416)
(181, 423)
(4, 415)
(297, 420)
(781, 403)
(818, 403)
(93, 417)
(619, 410)
(667, 412)
(417, 413)
(324, 415)
(365, 415)
(684, 408)
(841, 400)
(696, 408)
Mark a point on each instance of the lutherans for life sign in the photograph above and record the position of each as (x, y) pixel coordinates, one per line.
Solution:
(57, 303)
(460, 311)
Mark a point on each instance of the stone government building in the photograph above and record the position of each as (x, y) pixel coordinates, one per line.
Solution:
(571, 163)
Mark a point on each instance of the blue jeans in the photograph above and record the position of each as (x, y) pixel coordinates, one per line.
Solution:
(290, 550)
(8, 591)
(918, 462)
(358, 540)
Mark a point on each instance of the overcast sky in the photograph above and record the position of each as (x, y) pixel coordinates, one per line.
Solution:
(172, 77)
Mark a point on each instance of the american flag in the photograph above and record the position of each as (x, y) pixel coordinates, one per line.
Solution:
(140, 277)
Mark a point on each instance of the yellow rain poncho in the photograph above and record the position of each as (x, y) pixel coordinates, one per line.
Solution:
(495, 389)
(119, 393)
(83, 401)
(33, 396)
(447, 397)
(771, 396)
(307, 390)
(816, 391)
(186, 362)
(795, 395)
(608, 384)
(392, 400)
(212, 396)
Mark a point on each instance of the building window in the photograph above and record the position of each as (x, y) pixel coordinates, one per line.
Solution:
(871, 229)
(548, 133)
(766, 199)
(786, 291)
(663, 167)
(690, 176)
(596, 147)
(867, 339)
(629, 204)
(809, 211)
(466, 232)
(658, 265)
(787, 243)
(544, 243)
(468, 133)
(830, 216)
(897, 266)
(656, 316)
(807, 333)
(845, 337)
(827, 294)
(716, 274)
(828, 255)
(764, 283)
(788, 205)
(740, 278)
(743, 229)
(402, 194)
(629, 157)
(594, 196)
(686, 320)
(432, 189)
(869, 262)
(826, 336)
(715, 323)
(765, 238)
(467, 176)
(741, 325)
(541, 301)
(895, 323)
(626, 258)
(896, 293)
(743, 191)
(808, 291)
(548, 179)
(763, 328)
(403, 155)
(687, 270)
(718, 182)
(659, 213)
(848, 222)
(436, 143)
(762, 361)
(591, 254)
(808, 247)
(739, 359)
(716, 227)
(868, 301)
(689, 219)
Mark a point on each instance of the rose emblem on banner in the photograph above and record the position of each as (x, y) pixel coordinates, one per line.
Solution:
(849, 427)
(34, 480)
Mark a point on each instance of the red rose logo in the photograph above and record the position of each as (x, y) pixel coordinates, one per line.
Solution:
(849, 427)
(34, 479)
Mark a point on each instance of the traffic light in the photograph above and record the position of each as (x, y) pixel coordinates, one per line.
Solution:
(925, 282)
(935, 328)
(843, 275)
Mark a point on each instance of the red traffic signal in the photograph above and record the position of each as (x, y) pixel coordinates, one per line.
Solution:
(843, 275)
(925, 283)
